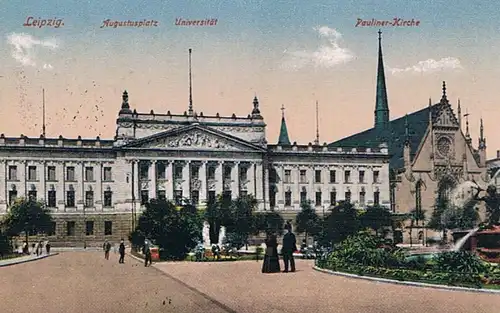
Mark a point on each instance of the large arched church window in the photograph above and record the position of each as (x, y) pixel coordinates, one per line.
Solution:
(445, 188)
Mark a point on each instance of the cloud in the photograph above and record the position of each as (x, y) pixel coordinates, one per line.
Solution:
(329, 54)
(430, 66)
(24, 48)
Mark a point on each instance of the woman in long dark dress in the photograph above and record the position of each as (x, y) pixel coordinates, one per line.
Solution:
(271, 259)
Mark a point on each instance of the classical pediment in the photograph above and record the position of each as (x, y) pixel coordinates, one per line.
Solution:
(193, 137)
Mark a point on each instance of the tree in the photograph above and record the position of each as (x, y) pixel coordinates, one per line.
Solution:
(175, 231)
(5, 245)
(241, 224)
(376, 218)
(436, 221)
(214, 217)
(307, 220)
(268, 222)
(342, 222)
(29, 217)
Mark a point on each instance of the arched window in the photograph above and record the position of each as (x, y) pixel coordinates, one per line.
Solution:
(418, 196)
(445, 187)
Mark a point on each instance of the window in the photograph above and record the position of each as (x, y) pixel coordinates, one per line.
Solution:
(89, 228)
(108, 198)
(376, 198)
(144, 197)
(161, 170)
(143, 170)
(195, 197)
(70, 173)
(347, 177)
(243, 174)
(243, 193)
(348, 196)
(211, 172)
(178, 197)
(272, 197)
(89, 199)
(333, 177)
(12, 172)
(362, 198)
(288, 176)
(303, 196)
(361, 177)
(32, 195)
(70, 198)
(70, 228)
(333, 197)
(108, 228)
(51, 199)
(31, 172)
(303, 175)
(418, 197)
(178, 172)
(52, 229)
(317, 176)
(211, 196)
(107, 174)
(12, 196)
(195, 171)
(162, 195)
(318, 198)
(51, 173)
(376, 177)
(288, 198)
(227, 172)
(89, 173)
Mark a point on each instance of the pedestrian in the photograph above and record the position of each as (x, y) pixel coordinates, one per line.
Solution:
(289, 246)
(271, 262)
(147, 253)
(47, 247)
(122, 252)
(106, 247)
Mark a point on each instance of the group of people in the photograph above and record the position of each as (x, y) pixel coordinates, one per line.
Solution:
(121, 249)
(271, 257)
(36, 248)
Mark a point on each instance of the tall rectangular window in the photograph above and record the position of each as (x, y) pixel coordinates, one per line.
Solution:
(376, 177)
(317, 176)
(195, 197)
(333, 176)
(348, 196)
(288, 176)
(211, 172)
(288, 198)
(89, 173)
(89, 199)
(243, 174)
(303, 196)
(347, 176)
(333, 197)
(70, 198)
(303, 176)
(70, 228)
(361, 177)
(51, 199)
(12, 196)
(161, 170)
(376, 198)
(227, 172)
(89, 228)
(107, 174)
(143, 170)
(51, 173)
(318, 198)
(144, 197)
(362, 198)
(70, 173)
(178, 172)
(31, 172)
(108, 198)
(12, 172)
(178, 197)
(108, 228)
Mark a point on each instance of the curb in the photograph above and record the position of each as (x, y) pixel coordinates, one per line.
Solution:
(29, 260)
(407, 283)
(204, 295)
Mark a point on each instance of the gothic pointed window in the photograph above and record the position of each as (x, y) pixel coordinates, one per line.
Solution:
(418, 197)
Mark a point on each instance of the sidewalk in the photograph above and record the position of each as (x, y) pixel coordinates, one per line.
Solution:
(23, 259)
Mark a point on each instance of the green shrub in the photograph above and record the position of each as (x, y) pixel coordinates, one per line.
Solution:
(5, 245)
(460, 262)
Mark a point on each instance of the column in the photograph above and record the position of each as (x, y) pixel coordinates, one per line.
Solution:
(266, 185)
(4, 194)
(23, 192)
(43, 185)
(80, 185)
(136, 186)
(296, 188)
(251, 179)
(169, 176)
(311, 193)
(219, 184)
(152, 179)
(325, 183)
(235, 180)
(259, 180)
(186, 180)
(202, 174)
(280, 195)
(61, 186)
(98, 192)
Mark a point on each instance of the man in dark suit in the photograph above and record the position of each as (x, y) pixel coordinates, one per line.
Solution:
(289, 246)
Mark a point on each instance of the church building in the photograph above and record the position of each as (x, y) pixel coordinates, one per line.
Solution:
(430, 154)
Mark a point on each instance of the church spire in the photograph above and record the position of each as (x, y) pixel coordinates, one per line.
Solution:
(316, 141)
(381, 104)
(467, 134)
(444, 99)
(482, 140)
(407, 131)
(283, 138)
(190, 109)
(459, 115)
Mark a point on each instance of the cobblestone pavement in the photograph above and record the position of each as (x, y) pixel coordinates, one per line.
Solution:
(85, 282)
(242, 287)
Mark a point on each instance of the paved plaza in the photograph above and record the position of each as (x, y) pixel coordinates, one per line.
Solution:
(85, 282)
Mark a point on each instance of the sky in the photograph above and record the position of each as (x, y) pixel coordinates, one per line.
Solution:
(291, 53)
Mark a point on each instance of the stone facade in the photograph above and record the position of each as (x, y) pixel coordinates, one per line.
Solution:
(96, 188)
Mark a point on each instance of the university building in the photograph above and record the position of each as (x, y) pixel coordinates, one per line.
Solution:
(430, 152)
(96, 188)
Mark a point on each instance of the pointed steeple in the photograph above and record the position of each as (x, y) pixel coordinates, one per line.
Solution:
(407, 131)
(468, 139)
(283, 138)
(444, 99)
(190, 108)
(482, 140)
(316, 141)
(381, 104)
(459, 115)
(125, 109)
